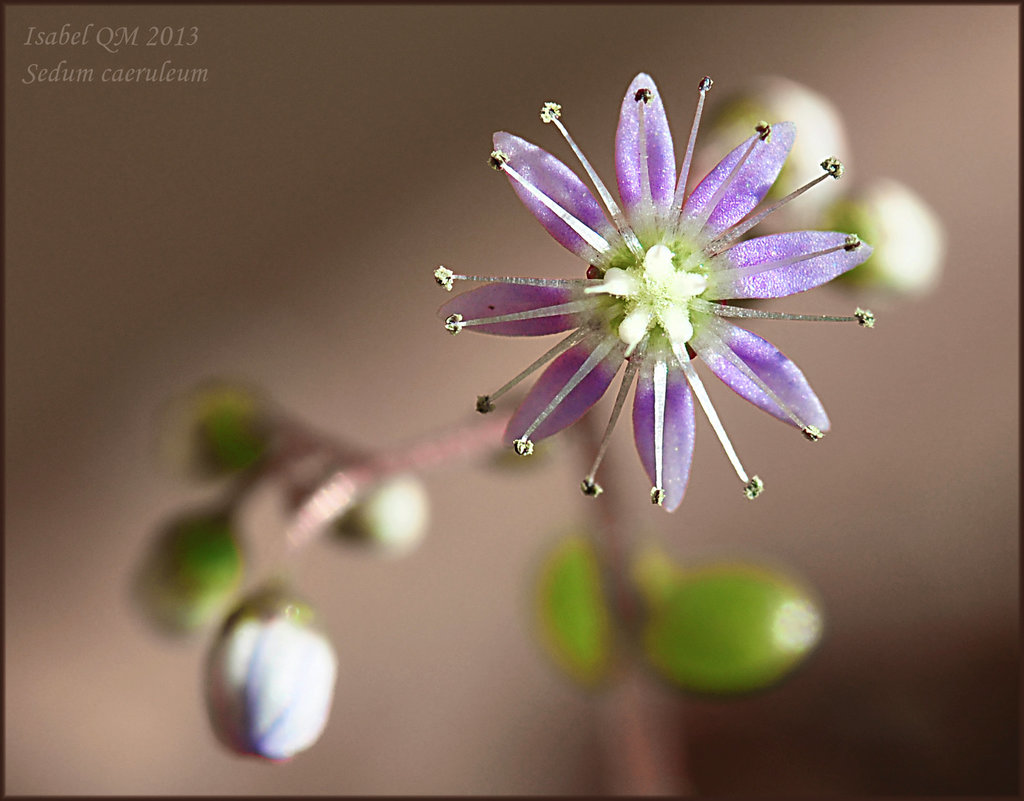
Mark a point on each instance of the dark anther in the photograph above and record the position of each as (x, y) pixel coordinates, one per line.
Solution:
(497, 159)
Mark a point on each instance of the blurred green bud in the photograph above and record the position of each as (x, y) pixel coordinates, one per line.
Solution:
(908, 239)
(270, 678)
(216, 429)
(821, 134)
(572, 615)
(655, 574)
(190, 572)
(728, 628)
(391, 518)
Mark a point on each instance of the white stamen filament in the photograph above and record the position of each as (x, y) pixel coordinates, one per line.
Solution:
(740, 228)
(596, 356)
(684, 172)
(446, 278)
(712, 335)
(554, 352)
(660, 389)
(587, 234)
(721, 277)
(531, 314)
(709, 410)
(724, 310)
(552, 113)
(646, 198)
(719, 193)
(620, 400)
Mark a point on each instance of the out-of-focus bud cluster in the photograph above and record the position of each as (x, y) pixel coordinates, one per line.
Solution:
(720, 628)
(906, 234)
(270, 677)
(270, 673)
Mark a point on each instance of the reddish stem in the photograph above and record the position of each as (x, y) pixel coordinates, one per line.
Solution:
(335, 494)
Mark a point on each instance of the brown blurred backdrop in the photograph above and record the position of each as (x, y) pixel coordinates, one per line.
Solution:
(280, 221)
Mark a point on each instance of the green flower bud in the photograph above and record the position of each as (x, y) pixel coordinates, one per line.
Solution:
(216, 429)
(191, 571)
(729, 628)
(391, 518)
(573, 623)
(908, 238)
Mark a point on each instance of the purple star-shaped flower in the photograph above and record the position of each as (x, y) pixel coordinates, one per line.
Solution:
(659, 266)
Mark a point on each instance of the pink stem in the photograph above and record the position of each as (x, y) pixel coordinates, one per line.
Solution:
(640, 760)
(335, 494)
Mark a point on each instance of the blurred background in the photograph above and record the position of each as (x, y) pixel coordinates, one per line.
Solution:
(280, 222)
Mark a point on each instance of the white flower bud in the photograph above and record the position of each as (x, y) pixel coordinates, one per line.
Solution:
(822, 134)
(908, 238)
(270, 678)
(391, 518)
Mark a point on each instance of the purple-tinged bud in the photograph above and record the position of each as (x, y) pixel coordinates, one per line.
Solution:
(270, 678)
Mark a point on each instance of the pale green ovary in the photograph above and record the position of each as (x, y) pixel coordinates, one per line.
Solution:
(654, 295)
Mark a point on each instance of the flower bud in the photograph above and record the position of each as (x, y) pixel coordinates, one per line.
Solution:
(216, 429)
(190, 572)
(391, 518)
(270, 678)
(822, 134)
(907, 236)
(572, 618)
(728, 628)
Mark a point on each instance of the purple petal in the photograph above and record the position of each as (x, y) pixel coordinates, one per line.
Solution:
(766, 362)
(576, 403)
(678, 432)
(779, 278)
(493, 300)
(661, 159)
(748, 187)
(561, 185)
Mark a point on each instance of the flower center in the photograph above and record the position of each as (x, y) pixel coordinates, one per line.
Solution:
(655, 294)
